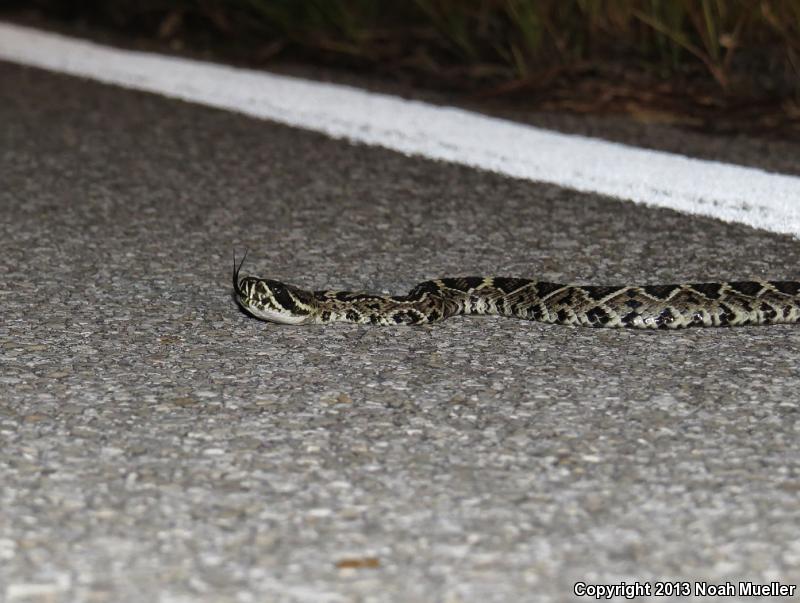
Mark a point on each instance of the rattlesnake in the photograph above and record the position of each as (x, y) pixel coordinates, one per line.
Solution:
(724, 303)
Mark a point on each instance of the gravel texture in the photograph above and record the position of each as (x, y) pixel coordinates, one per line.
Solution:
(158, 444)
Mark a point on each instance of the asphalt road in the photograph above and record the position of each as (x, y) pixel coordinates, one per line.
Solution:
(158, 444)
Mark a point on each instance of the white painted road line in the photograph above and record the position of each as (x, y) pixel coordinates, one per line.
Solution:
(728, 192)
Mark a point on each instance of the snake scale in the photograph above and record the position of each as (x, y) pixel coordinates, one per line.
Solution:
(724, 303)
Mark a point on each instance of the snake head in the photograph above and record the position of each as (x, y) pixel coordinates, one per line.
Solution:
(272, 300)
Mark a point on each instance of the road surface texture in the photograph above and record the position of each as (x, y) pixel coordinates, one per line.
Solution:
(157, 444)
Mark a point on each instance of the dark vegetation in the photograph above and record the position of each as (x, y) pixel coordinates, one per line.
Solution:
(701, 62)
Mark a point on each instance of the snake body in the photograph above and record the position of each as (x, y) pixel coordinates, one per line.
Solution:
(729, 303)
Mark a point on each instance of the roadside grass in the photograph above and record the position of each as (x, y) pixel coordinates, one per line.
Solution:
(704, 52)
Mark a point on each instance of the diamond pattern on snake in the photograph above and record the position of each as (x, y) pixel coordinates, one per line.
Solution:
(714, 304)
